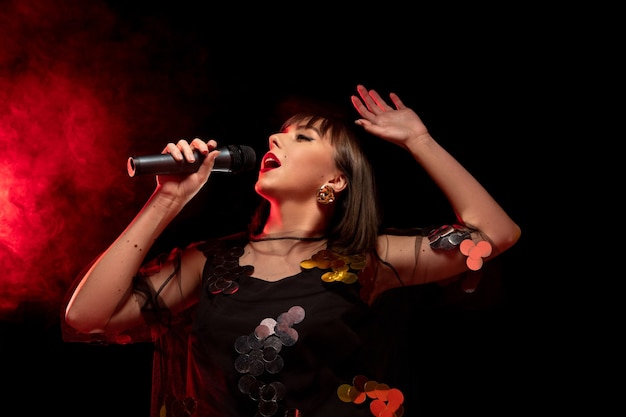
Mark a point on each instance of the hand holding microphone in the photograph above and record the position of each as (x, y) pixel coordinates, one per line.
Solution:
(232, 158)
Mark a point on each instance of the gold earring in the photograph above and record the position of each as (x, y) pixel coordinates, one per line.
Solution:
(326, 194)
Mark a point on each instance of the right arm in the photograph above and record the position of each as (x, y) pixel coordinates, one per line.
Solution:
(104, 300)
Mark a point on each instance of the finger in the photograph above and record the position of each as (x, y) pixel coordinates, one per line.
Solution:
(212, 144)
(202, 146)
(368, 99)
(207, 148)
(360, 107)
(382, 105)
(374, 101)
(396, 101)
(174, 150)
(186, 150)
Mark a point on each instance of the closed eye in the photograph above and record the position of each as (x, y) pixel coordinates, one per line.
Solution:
(303, 137)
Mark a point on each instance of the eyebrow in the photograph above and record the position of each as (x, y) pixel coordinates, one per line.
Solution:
(306, 127)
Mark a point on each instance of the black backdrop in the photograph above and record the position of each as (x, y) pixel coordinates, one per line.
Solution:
(229, 71)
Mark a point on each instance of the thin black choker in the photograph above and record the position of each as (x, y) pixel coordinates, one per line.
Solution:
(305, 239)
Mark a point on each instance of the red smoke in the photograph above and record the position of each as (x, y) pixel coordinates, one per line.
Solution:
(76, 90)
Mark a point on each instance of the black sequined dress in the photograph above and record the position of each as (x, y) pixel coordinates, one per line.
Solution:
(279, 348)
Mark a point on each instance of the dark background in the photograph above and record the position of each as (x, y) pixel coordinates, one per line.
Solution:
(163, 71)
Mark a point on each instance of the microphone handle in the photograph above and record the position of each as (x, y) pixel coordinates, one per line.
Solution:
(163, 164)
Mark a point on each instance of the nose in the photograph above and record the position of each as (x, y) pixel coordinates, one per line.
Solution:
(274, 141)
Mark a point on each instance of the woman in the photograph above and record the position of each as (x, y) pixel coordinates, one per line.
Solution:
(275, 321)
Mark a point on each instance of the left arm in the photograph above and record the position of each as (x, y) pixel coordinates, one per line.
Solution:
(471, 202)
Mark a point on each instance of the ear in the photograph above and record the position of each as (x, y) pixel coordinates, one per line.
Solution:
(339, 183)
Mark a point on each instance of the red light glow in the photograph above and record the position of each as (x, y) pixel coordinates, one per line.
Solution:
(75, 87)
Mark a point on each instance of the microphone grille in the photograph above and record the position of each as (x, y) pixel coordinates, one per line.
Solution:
(243, 158)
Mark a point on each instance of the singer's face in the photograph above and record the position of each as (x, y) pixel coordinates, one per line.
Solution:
(299, 161)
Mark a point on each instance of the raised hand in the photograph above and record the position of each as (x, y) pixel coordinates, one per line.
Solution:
(396, 125)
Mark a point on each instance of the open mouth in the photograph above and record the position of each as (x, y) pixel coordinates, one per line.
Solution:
(270, 161)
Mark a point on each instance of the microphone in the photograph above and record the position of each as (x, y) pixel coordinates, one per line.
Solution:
(232, 158)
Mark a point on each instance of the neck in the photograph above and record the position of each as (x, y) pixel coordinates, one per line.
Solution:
(292, 221)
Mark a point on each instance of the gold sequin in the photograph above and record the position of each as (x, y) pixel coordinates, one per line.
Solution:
(344, 267)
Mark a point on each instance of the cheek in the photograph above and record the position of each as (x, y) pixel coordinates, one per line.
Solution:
(316, 166)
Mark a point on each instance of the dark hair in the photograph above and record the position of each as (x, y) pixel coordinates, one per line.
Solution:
(356, 218)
